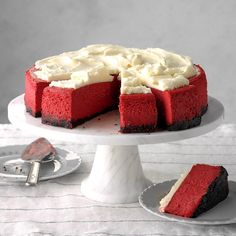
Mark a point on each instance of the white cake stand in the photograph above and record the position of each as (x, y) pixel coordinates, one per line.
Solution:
(117, 175)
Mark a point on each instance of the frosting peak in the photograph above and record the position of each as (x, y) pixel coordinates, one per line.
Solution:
(138, 69)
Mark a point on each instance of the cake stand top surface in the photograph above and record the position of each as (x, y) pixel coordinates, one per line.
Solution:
(104, 129)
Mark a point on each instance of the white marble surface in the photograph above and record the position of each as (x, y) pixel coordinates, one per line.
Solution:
(105, 128)
(204, 30)
(58, 208)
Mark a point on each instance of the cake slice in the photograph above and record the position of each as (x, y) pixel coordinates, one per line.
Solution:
(138, 113)
(196, 191)
(177, 108)
(183, 107)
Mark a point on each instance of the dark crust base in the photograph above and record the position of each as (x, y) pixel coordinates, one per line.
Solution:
(128, 129)
(187, 124)
(34, 114)
(204, 110)
(70, 124)
(138, 129)
(217, 192)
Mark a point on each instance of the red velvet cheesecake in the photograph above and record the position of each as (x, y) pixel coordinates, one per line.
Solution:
(176, 105)
(197, 191)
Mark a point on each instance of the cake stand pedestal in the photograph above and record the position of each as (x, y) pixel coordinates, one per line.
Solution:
(117, 175)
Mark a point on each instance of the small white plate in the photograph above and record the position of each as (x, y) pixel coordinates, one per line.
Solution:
(12, 168)
(223, 213)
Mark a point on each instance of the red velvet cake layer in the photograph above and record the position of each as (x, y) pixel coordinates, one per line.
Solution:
(182, 104)
(177, 109)
(33, 92)
(138, 113)
(69, 107)
(189, 195)
(200, 83)
(176, 105)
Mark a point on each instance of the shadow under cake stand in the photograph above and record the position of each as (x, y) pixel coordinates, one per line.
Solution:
(117, 175)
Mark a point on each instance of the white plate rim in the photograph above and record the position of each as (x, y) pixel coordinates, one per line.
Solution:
(92, 133)
(14, 149)
(173, 218)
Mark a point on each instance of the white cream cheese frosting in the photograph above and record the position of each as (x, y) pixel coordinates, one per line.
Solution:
(138, 69)
(132, 84)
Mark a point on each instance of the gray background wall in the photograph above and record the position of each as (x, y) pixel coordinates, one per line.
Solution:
(204, 30)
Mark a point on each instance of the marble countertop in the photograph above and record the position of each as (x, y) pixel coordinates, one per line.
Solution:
(57, 207)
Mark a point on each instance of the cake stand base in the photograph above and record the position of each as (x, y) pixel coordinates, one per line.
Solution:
(116, 176)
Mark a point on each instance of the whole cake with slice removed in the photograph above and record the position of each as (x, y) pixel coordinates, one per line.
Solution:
(152, 88)
(196, 191)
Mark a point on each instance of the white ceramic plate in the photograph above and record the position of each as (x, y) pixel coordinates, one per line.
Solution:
(223, 213)
(12, 168)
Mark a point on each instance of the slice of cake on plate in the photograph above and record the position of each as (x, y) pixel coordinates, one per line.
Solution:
(196, 191)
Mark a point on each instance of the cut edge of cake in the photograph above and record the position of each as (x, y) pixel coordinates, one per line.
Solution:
(192, 205)
(138, 113)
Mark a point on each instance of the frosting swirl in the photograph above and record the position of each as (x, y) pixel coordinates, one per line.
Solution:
(138, 69)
